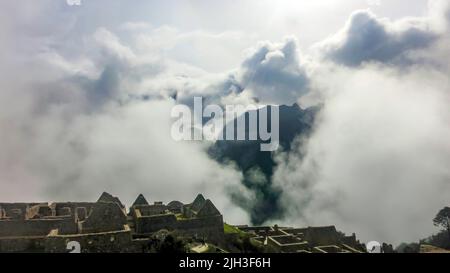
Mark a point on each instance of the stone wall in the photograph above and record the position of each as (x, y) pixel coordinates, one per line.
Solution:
(149, 224)
(106, 242)
(38, 227)
(22, 206)
(104, 217)
(208, 227)
(149, 210)
(31, 209)
(39, 211)
(287, 244)
(321, 236)
(101, 226)
(22, 245)
(188, 212)
(59, 207)
(211, 228)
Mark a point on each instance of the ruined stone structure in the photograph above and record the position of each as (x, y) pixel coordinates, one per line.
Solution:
(305, 240)
(102, 226)
(199, 219)
(106, 226)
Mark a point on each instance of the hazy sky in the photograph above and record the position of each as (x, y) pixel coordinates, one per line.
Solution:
(85, 97)
(212, 34)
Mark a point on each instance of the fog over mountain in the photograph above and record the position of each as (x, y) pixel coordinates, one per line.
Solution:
(86, 96)
(258, 167)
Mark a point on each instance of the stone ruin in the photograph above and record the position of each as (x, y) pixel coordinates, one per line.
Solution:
(200, 218)
(103, 226)
(107, 226)
(305, 240)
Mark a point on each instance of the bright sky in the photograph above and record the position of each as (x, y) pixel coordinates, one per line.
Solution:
(249, 20)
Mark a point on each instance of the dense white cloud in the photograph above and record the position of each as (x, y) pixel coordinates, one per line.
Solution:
(367, 38)
(377, 162)
(273, 73)
(76, 121)
(54, 151)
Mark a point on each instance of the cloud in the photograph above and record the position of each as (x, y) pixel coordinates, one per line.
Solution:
(214, 51)
(97, 118)
(125, 149)
(436, 56)
(273, 73)
(377, 162)
(439, 14)
(367, 38)
(112, 45)
(379, 146)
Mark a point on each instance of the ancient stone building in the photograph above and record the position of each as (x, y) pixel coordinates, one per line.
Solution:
(106, 226)
(102, 226)
(305, 240)
(200, 218)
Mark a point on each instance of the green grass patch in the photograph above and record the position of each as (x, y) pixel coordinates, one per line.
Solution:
(228, 229)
